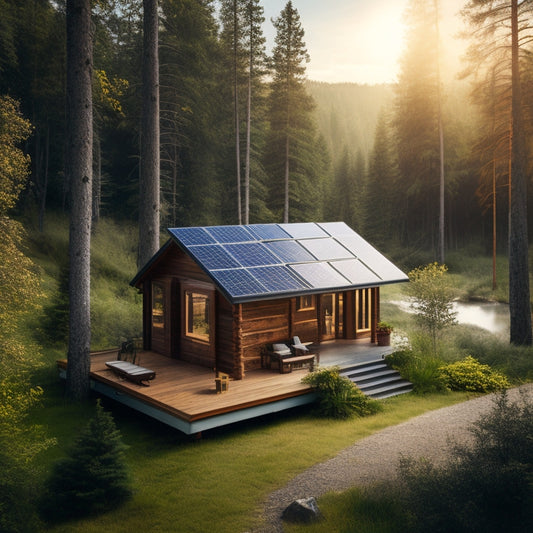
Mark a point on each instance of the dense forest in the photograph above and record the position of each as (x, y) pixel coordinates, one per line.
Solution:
(364, 154)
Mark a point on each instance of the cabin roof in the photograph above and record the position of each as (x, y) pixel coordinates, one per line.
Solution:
(267, 261)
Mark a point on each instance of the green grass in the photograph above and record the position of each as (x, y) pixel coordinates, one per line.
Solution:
(356, 511)
(218, 483)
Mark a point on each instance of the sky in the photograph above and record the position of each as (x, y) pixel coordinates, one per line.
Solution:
(360, 41)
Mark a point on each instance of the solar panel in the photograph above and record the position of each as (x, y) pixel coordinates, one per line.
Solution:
(320, 275)
(238, 282)
(213, 256)
(367, 254)
(227, 234)
(289, 251)
(277, 278)
(326, 249)
(356, 272)
(265, 260)
(251, 254)
(304, 230)
(192, 236)
(336, 229)
(267, 231)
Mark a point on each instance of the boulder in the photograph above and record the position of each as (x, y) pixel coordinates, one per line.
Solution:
(304, 511)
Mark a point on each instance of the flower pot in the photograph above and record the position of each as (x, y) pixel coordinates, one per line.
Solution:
(383, 338)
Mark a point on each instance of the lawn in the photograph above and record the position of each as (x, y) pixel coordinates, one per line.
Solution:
(219, 482)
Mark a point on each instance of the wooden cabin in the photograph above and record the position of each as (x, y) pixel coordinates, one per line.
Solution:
(218, 296)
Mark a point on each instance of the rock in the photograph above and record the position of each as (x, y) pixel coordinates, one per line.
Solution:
(304, 511)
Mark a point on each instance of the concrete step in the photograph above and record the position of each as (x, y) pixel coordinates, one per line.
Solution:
(376, 379)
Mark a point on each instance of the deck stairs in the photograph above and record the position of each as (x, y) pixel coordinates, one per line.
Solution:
(376, 379)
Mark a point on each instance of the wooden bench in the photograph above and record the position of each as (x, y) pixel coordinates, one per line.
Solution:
(135, 373)
(286, 364)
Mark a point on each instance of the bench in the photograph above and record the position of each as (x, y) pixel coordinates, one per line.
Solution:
(286, 364)
(135, 373)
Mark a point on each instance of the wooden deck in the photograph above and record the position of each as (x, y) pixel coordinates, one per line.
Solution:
(184, 396)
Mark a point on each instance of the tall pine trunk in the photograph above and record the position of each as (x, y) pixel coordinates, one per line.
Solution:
(79, 174)
(248, 144)
(236, 109)
(519, 300)
(149, 201)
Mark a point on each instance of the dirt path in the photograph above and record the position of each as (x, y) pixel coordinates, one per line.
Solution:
(375, 458)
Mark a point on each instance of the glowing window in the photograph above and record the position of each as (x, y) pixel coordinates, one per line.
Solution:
(158, 305)
(197, 314)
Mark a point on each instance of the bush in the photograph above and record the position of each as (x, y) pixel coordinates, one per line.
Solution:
(338, 397)
(422, 371)
(471, 375)
(93, 479)
(486, 487)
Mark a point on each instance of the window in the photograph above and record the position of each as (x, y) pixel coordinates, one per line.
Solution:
(364, 309)
(197, 312)
(304, 303)
(158, 305)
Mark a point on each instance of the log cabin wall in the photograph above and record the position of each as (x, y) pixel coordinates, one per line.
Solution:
(228, 344)
(304, 321)
(263, 323)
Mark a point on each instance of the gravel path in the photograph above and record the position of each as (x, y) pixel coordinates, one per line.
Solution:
(375, 458)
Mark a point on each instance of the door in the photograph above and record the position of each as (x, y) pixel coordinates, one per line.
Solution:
(327, 317)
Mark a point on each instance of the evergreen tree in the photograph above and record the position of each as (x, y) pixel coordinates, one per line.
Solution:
(417, 126)
(487, 18)
(381, 193)
(290, 153)
(197, 182)
(93, 478)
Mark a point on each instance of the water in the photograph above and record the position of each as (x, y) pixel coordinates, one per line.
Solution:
(492, 316)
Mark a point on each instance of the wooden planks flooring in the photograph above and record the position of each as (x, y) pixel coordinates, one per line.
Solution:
(188, 391)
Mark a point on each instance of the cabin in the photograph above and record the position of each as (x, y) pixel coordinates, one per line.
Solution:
(219, 296)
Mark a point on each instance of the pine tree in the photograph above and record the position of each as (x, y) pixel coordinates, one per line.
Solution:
(94, 477)
(291, 144)
(493, 37)
(417, 126)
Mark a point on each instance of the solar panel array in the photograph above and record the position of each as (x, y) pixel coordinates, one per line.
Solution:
(260, 261)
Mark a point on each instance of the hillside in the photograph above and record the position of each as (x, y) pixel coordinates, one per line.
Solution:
(347, 114)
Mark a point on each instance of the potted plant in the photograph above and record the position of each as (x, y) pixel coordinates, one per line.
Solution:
(383, 331)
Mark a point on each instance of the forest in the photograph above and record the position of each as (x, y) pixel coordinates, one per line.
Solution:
(366, 154)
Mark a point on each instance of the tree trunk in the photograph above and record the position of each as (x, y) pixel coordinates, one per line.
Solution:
(519, 300)
(79, 159)
(248, 145)
(97, 178)
(441, 143)
(236, 111)
(149, 201)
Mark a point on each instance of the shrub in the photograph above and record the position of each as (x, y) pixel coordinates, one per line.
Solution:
(486, 487)
(471, 375)
(338, 397)
(93, 479)
(422, 371)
